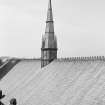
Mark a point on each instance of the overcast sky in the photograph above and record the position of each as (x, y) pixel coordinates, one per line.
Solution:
(79, 27)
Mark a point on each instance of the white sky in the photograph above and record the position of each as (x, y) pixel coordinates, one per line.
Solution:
(79, 27)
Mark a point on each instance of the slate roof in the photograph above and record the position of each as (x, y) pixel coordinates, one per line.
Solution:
(62, 82)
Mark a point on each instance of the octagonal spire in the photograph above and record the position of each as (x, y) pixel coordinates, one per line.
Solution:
(49, 12)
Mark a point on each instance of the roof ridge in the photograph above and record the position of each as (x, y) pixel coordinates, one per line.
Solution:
(90, 58)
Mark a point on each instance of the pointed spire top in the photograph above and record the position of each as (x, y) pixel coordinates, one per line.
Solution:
(49, 12)
(49, 5)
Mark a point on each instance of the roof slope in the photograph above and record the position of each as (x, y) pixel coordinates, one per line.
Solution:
(7, 66)
(59, 83)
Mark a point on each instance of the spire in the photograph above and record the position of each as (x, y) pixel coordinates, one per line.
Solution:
(49, 12)
(49, 21)
(49, 41)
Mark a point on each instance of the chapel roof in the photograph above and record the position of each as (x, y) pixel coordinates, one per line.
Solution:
(64, 81)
